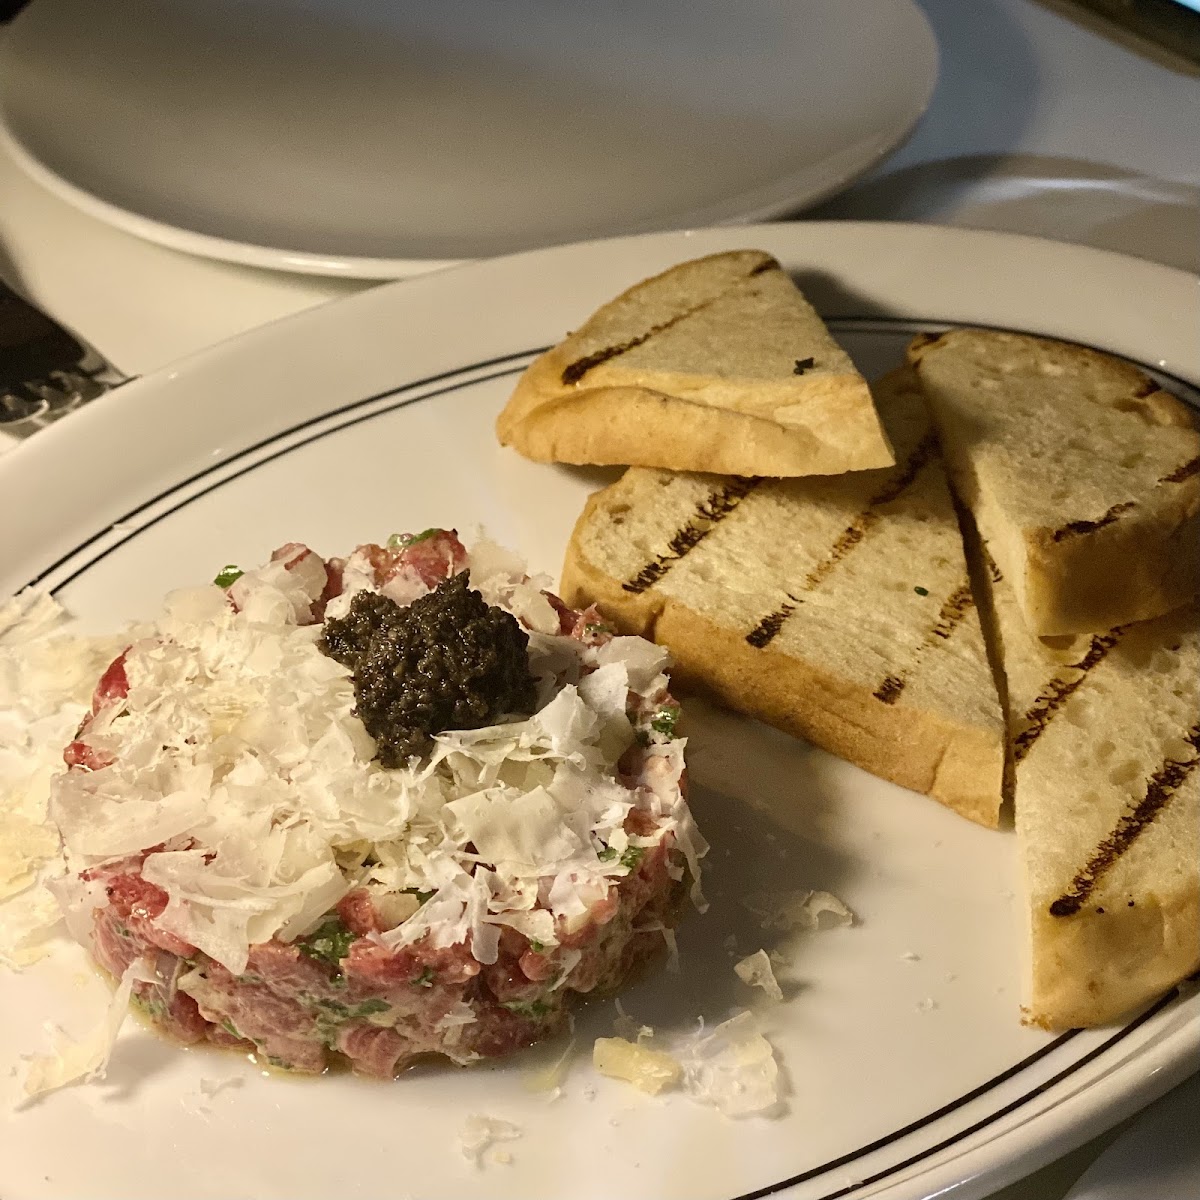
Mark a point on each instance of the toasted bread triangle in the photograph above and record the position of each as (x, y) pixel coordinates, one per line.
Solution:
(1105, 733)
(1082, 474)
(719, 365)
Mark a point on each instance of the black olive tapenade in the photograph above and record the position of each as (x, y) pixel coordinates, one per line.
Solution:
(446, 661)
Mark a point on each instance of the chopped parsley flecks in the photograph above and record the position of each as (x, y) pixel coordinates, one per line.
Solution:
(629, 859)
(425, 979)
(527, 1008)
(632, 856)
(228, 575)
(665, 720)
(329, 943)
(536, 946)
(352, 1012)
(402, 541)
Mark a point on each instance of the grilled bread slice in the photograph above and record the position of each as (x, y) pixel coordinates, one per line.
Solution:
(1106, 751)
(1082, 475)
(717, 365)
(837, 609)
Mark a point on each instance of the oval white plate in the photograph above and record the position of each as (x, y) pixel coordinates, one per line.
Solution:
(909, 1073)
(378, 140)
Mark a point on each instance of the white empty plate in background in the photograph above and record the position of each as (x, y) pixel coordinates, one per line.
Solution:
(374, 139)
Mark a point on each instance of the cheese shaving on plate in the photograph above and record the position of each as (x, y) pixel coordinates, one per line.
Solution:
(733, 1068)
(480, 1133)
(71, 1061)
(730, 1067)
(46, 681)
(756, 971)
(811, 910)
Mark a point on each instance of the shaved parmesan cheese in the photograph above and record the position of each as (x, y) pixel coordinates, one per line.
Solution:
(650, 1071)
(70, 1061)
(605, 690)
(732, 1068)
(24, 847)
(821, 905)
(28, 615)
(524, 833)
(756, 971)
(799, 910)
(643, 661)
(27, 926)
(480, 1133)
(46, 682)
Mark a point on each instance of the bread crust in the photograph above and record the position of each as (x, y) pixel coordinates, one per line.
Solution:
(1095, 967)
(1125, 572)
(640, 427)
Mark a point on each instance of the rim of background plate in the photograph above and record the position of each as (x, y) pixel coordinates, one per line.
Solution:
(775, 199)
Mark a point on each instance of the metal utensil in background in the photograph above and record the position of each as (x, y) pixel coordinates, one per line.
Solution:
(45, 371)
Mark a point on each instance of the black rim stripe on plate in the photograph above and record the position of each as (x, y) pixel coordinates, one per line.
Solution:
(982, 1123)
(519, 359)
(275, 437)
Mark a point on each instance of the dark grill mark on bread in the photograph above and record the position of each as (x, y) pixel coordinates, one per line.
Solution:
(1181, 473)
(574, 372)
(857, 529)
(1074, 528)
(902, 480)
(1160, 790)
(770, 625)
(709, 514)
(953, 609)
(846, 541)
(1058, 691)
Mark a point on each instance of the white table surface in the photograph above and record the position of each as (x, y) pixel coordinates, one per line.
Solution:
(1038, 125)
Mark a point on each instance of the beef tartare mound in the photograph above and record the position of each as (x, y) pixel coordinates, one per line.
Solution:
(365, 809)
